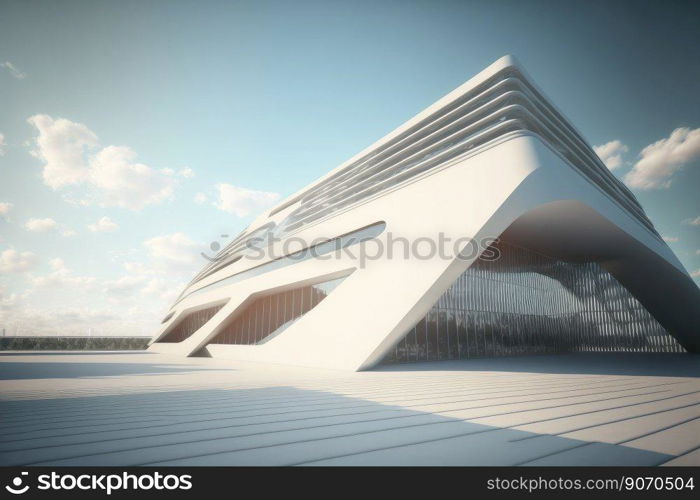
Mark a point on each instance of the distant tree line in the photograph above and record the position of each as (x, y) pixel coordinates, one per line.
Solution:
(73, 343)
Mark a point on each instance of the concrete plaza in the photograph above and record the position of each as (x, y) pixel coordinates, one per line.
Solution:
(139, 408)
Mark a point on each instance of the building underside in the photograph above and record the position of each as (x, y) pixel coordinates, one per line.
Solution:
(528, 303)
(580, 267)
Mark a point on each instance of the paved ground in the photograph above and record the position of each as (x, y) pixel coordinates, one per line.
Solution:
(138, 408)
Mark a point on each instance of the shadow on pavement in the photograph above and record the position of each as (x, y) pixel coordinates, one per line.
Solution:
(48, 370)
(274, 426)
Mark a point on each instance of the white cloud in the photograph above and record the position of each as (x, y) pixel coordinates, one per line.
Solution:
(57, 264)
(171, 261)
(125, 183)
(141, 295)
(166, 290)
(48, 224)
(63, 145)
(40, 225)
(659, 161)
(12, 261)
(186, 172)
(125, 286)
(145, 289)
(611, 153)
(155, 286)
(62, 277)
(25, 320)
(72, 156)
(58, 289)
(690, 222)
(13, 70)
(103, 225)
(696, 273)
(3, 144)
(7, 302)
(174, 248)
(5, 209)
(670, 239)
(200, 198)
(241, 201)
(138, 268)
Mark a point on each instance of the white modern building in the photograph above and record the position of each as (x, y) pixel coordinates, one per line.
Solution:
(484, 226)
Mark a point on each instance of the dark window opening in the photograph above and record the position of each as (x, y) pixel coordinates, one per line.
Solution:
(190, 324)
(268, 316)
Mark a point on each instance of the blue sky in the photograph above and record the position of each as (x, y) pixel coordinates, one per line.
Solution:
(125, 125)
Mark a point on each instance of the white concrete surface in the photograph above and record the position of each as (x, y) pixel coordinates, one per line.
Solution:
(141, 408)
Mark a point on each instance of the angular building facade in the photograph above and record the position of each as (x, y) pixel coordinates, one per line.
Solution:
(550, 252)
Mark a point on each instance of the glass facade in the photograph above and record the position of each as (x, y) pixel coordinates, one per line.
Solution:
(526, 303)
(268, 316)
(191, 323)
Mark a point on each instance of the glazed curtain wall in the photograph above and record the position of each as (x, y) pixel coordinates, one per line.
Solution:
(526, 303)
(268, 316)
(190, 324)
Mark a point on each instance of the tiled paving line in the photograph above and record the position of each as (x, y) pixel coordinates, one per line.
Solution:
(676, 396)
